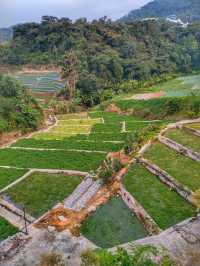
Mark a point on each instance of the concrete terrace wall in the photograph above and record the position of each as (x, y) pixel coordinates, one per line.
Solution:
(180, 148)
(181, 240)
(183, 191)
(192, 130)
(149, 224)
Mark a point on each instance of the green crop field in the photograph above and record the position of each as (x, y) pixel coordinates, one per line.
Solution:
(7, 176)
(39, 192)
(112, 224)
(185, 170)
(50, 159)
(71, 143)
(6, 229)
(186, 139)
(166, 207)
(41, 82)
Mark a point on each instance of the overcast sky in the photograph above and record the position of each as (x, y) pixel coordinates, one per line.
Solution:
(18, 11)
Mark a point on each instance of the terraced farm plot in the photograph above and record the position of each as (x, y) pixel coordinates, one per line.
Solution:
(185, 170)
(51, 159)
(166, 207)
(112, 224)
(194, 126)
(6, 229)
(39, 192)
(71, 143)
(67, 128)
(41, 82)
(7, 176)
(113, 117)
(186, 139)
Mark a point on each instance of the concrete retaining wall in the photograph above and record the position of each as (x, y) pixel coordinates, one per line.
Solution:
(192, 130)
(149, 224)
(180, 148)
(183, 191)
(82, 194)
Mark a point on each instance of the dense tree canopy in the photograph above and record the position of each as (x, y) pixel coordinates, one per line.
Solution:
(18, 110)
(107, 52)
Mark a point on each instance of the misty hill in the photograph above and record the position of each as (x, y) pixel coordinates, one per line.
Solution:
(186, 10)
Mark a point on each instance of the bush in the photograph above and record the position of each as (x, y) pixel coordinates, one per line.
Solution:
(140, 256)
(52, 259)
(18, 109)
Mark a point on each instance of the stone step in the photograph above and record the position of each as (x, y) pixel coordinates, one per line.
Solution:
(87, 196)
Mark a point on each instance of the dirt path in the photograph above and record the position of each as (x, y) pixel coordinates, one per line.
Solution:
(7, 139)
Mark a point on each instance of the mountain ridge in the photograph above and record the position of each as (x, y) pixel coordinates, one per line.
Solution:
(186, 10)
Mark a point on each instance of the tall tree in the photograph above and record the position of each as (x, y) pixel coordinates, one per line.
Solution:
(69, 73)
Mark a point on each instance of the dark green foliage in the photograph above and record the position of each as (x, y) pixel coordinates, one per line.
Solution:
(137, 138)
(187, 10)
(18, 110)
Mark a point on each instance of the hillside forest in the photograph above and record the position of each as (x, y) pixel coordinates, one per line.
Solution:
(99, 56)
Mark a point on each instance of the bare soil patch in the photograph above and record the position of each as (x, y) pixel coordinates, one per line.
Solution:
(148, 96)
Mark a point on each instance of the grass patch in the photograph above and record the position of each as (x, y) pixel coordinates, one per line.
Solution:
(39, 192)
(6, 229)
(166, 207)
(7, 176)
(185, 170)
(112, 224)
(186, 139)
(51, 159)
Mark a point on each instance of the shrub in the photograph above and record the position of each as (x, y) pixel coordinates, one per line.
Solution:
(116, 165)
(52, 259)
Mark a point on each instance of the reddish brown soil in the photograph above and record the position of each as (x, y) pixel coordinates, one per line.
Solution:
(148, 96)
(112, 108)
(45, 95)
(6, 138)
(73, 219)
(121, 156)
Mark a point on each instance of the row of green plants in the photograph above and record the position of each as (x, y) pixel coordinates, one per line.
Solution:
(71, 143)
(71, 160)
